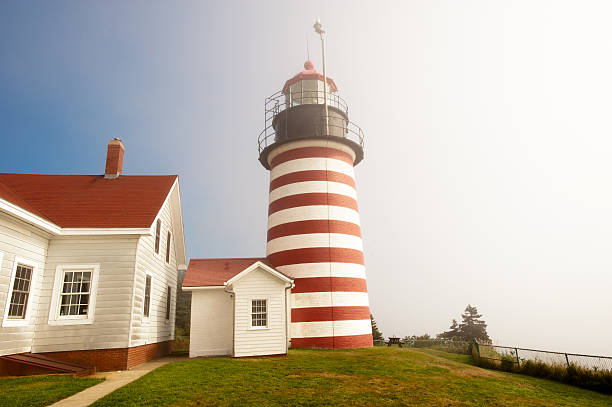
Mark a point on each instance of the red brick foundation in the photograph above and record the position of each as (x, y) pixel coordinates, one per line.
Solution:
(114, 359)
(141, 354)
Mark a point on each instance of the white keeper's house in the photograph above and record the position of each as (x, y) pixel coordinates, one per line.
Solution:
(88, 268)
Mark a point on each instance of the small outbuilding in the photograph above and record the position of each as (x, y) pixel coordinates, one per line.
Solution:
(239, 307)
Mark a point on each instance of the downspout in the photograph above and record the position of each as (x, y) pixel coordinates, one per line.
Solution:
(287, 318)
(233, 295)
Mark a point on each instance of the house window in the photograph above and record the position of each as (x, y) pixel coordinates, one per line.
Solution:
(147, 296)
(76, 293)
(21, 292)
(168, 247)
(168, 302)
(259, 313)
(157, 235)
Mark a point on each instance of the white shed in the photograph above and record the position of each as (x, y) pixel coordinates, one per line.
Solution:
(239, 307)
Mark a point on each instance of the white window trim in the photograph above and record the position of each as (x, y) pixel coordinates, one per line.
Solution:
(54, 310)
(158, 254)
(259, 328)
(168, 253)
(144, 290)
(173, 293)
(27, 320)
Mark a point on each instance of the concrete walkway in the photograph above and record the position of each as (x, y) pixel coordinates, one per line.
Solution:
(114, 380)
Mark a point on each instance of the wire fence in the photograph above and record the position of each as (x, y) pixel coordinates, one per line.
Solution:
(438, 344)
(446, 345)
(520, 355)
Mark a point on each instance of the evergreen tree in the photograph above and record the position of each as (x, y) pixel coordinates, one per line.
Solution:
(472, 327)
(376, 334)
(183, 308)
(453, 333)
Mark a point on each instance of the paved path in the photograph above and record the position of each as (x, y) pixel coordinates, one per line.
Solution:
(113, 381)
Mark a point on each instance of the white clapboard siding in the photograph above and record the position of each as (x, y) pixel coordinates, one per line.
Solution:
(155, 328)
(17, 239)
(272, 340)
(211, 323)
(116, 256)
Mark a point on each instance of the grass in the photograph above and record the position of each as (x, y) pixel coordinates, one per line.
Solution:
(365, 377)
(34, 391)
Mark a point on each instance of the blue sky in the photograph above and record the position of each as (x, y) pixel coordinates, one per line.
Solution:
(486, 175)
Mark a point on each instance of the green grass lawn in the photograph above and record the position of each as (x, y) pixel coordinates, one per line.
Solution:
(40, 390)
(365, 377)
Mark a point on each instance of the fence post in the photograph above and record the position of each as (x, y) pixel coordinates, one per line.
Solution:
(475, 345)
(518, 361)
(567, 360)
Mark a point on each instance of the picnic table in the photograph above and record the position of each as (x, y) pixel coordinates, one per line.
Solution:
(394, 340)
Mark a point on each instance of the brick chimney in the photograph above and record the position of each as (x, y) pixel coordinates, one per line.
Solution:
(114, 158)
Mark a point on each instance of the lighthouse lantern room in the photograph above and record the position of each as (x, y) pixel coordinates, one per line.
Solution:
(314, 234)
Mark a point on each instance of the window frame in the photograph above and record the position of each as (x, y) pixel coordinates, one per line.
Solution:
(144, 297)
(157, 236)
(54, 310)
(26, 320)
(250, 304)
(168, 303)
(168, 241)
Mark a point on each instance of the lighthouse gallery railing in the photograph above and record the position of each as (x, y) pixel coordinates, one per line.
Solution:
(279, 102)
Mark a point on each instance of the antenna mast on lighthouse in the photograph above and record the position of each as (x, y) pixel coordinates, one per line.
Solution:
(319, 30)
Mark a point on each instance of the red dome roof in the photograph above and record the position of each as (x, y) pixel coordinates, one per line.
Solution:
(309, 73)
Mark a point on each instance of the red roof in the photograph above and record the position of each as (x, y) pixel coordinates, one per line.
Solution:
(215, 272)
(89, 201)
(309, 73)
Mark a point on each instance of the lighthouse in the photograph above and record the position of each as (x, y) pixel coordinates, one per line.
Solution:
(311, 148)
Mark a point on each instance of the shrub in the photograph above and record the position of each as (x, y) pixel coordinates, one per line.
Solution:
(507, 363)
(587, 378)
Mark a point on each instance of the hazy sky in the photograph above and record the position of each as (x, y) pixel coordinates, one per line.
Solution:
(486, 178)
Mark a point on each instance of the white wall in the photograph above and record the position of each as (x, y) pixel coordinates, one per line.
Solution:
(110, 328)
(211, 323)
(272, 340)
(155, 328)
(17, 239)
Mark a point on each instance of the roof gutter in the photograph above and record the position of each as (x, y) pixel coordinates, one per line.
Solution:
(201, 288)
(104, 231)
(29, 217)
(56, 230)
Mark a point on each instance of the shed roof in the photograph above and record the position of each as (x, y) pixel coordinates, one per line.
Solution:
(89, 201)
(215, 272)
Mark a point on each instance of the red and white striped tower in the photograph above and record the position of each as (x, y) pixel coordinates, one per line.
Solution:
(313, 220)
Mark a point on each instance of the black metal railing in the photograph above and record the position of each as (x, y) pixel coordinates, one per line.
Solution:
(335, 126)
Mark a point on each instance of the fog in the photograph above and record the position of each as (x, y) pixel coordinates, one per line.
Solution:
(486, 177)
